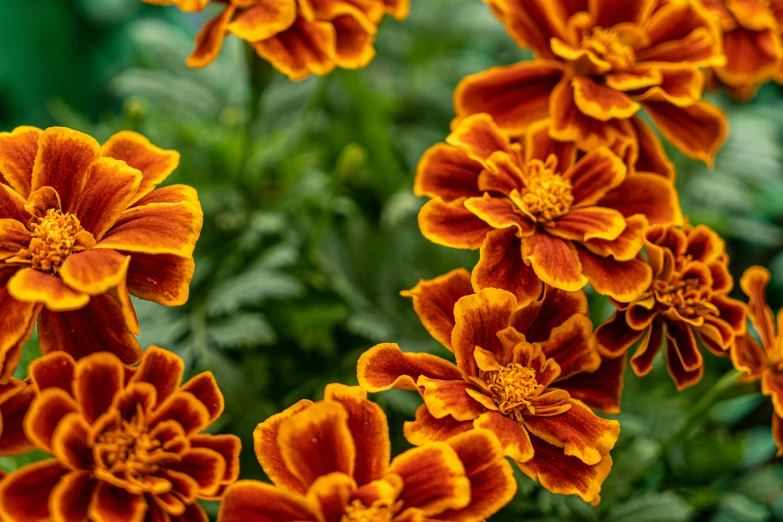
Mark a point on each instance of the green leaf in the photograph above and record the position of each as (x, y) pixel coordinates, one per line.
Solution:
(252, 288)
(651, 507)
(241, 331)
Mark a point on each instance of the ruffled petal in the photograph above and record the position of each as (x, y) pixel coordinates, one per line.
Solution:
(540, 145)
(512, 435)
(385, 366)
(569, 123)
(554, 260)
(209, 39)
(649, 155)
(433, 477)
(24, 494)
(682, 32)
(434, 302)
(449, 398)
(500, 213)
(624, 247)
(112, 504)
(754, 283)
(70, 444)
(263, 20)
(573, 346)
(579, 431)
(515, 95)
(160, 278)
(17, 320)
(227, 446)
(479, 136)
(601, 389)
(598, 172)
(369, 429)
(94, 272)
(427, 428)
(682, 377)
(451, 224)
(648, 194)
(565, 475)
(316, 441)
(18, 149)
(601, 102)
(13, 409)
(615, 337)
(204, 465)
(772, 386)
(354, 38)
(649, 347)
(34, 287)
(589, 223)
(253, 501)
(680, 85)
(12, 205)
(448, 172)
(748, 357)
(332, 493)
(98, 377)
(537, 320)
(161, 368)
(268, 450)
(621, 280)
(606, 13)
(53, 371)
(70, 499)
(501, 266)
(751, 56)
(304, 48)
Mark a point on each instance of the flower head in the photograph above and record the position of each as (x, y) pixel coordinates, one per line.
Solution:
(687, 299)
(81, 227)
(330, 461)
(541, 212)
(762, 361)
(529, 375)
(752, 43)
(597, 66)
(126, 442)
(298, 37)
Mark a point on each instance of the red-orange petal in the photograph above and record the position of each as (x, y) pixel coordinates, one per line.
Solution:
(12, 205)
(426, 428)
(451, 224)
(17, 320)
(601, 389)
(112, 504)
(571, 124)
(589, 223)
(98, 377)
(13, 409)
(70, 498)
(204, 465)
(554, 260)
(754, 283)
(227, 446)
(385, 366)
(209, 39)
(512, 435)
(598, 172)
(449, 398)
(18, 149)
(646, 194)
(540, 145)
(263, 20)
(24, 494)
(45, 414)
(615, 337)
(94, 272)
(253, 501)
(304, 48)
(205, 389)
(601, 102)
(621, 280)
(35, 287)
(537, 320)
(448, 172)
(479, 136)
(160, 278)
(70, 444)
(573, 346)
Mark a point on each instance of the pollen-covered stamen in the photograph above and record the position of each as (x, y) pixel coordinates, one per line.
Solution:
(547, 195)
(513, 388)
(356, 511)
(54, 238)
(607, 45)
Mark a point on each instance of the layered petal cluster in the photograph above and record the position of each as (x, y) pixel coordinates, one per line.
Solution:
(298, 37)
(529, 375)
(762, 362)
(687, 300)
(15, 399)
(751, 42)
(81, 227)
(127, 442)
(597, 66)
(541, 212)
(330, 462)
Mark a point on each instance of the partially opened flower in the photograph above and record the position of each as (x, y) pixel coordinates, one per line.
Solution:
(127, 442)
(519, 373)
(298, 37)
(330, 461)
(763, 361)
(751, 42)
(598, 64)
(81, 226)
(540, 212)
(687, 300)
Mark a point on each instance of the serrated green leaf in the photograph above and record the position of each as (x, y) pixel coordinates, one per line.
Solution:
(241, 331)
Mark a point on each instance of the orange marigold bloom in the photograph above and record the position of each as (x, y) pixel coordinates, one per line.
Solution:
(751, 42)
(127, 442)
(687, 298)
(539, 213)
(598, 64)
(15, 399)
(764, 362)
(298, 37)
(81, 226)
(519, 373)
(329, 461)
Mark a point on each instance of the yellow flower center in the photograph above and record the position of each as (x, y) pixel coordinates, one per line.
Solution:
(688, 296)
(608, 46)
(547, 195)
(53, 239)
(513, 387)
(358, 512)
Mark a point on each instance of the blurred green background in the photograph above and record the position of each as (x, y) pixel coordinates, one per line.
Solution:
(310, 229)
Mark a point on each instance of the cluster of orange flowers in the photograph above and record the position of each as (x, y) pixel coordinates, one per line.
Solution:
(549, 171)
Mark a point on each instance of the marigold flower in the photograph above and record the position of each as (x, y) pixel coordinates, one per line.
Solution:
(519, 373)
(751, 42)
(762, 362)
(80, 228)
(298, 37)
(15, 399)
(538, 213)
(688, 297)
(330, 461)
(597, 65)
(126, 442)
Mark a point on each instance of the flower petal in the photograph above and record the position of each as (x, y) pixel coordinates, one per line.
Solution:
(369, 429)
(621, 280)
(204, 465)
(501, 266)
(32, 286)
(12, 205)
(492, 483)
(332, 493)
(263, 20)
(601, 389)
(434, 302)
(777, 433)
(479, 136)
(747, 356)
(698, 130)
(573, 346)
(13, 409)
(205, 389)
(624, 247)
(99, 326)
(451, 224)
(70, 498)
(772, 386)
(70, 444)
(751, 56)
(385, 366)
(305, 47)
(434, 479)
(649, 347)
(44, 415)
(63, 159)
(17, 320)
(579, 431)
(515, 95)
(316, 441)
(649, 154)
(598, 172)
(209, 39)
(268, 450)
(565, 475)
(606, 13)
(18, 149)
(161, 368)
(754, 283)
(615, 337)
(112, 504)
(554, 260)
(183, 408)
(584, 224)
(253, 501)
(94, 272)
(426, 428)
(571, 124)
(540, 145)
(646, 194)
(682, 32)
(601, 102)
(512, 435)
(24, 494)
(682, 377)
(449, 398)
(227, 446)
(448, 172)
